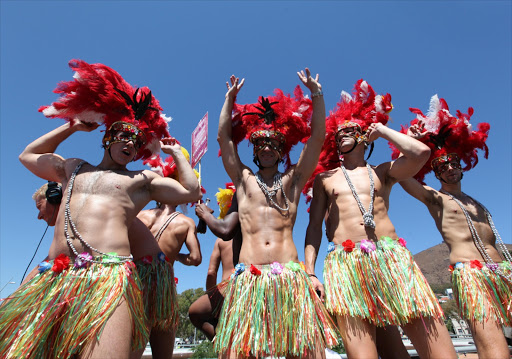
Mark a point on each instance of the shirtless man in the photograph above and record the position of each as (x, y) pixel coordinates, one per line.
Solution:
(204, 312)
(95, 217)
(156, 238)
(481, 278)
(371, 279)
(254, 326)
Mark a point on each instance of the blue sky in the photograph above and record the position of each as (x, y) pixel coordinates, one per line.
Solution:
(185, 51)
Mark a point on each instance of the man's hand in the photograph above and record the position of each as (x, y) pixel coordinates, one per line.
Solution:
(311, 83)
(374, 131)
(417, 131)
(84, 126)
(235, 87)
(319, 287)
(202, 210)
(170, 145)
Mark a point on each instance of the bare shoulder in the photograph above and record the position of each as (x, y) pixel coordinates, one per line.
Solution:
(70, 165)
(382, 171)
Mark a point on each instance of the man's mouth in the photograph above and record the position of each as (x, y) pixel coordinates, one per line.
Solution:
(126, 152)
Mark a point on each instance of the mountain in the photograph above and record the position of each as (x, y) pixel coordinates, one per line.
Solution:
(434, 263)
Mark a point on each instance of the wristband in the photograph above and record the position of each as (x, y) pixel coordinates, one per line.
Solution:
(312, 275)
(317, 94)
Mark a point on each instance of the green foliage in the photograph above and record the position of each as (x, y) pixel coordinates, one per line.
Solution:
(185, 327)
(204, 350)
(340, 349)
(450, 310)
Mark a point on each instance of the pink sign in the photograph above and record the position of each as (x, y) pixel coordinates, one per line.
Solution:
(200, 140)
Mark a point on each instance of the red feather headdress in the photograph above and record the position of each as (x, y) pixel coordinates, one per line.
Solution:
(290, 120)
(362, 108)
(448, 134)
(99, 94)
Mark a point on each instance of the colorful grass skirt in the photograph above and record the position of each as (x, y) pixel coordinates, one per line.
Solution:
(377, 281)
(273, 310)
(63, 308)
(159, 292)
(481, 293)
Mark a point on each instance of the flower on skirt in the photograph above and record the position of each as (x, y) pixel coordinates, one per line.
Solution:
(239, 269)
(60, 263)
(276, 268)
(254, 270)
(82, 260)
(302, 266)
(44, 266)
(475, 263)
(147, 259)
(450, 268)
(402, 242)
(162, 257)
(331, 247)
(114, 259)
(492, 266)
(459, 265)
(294, 266)
(348, 246)
(367, 246)
(505, 265)
(388, 243)
(176, 280)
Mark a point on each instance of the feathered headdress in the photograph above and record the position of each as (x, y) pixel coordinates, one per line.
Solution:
(360, 110)
(98, 94)
(279, 117)
(448, 134)
(167, 167)
(225, 198)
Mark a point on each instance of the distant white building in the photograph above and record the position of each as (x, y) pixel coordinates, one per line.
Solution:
(460, 326)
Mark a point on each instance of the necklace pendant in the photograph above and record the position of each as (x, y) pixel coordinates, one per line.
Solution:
(368, 220)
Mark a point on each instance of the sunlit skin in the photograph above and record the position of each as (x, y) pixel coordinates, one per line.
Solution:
(453, 227)
(47, 211)
(334, 201)
(266, 230)
(106, 199)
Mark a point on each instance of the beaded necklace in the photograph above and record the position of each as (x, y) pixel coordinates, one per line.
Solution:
(69, 222)
(270, 193)
(476, 238)
(367, 215)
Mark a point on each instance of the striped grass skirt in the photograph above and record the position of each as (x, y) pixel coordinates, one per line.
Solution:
(273, 310)
(482, 294)
(378, 282)
(159, 292)
(56, 315)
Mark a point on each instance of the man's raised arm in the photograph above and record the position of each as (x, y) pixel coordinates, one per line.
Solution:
(39, 156)
(230, 158)
(169, 191)
(311, 151)
(414, 154)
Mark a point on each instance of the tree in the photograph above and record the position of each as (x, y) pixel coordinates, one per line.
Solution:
(204, 350)
(185, 327)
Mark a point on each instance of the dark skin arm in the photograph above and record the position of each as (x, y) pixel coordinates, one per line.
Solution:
(225, 228)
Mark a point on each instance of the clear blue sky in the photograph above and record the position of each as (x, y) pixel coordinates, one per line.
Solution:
(185, 51)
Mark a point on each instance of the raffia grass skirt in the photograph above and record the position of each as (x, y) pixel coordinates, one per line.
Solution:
(273, 314)
(383, 286)
(482, 294)
(58, 315)
(159, 292)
